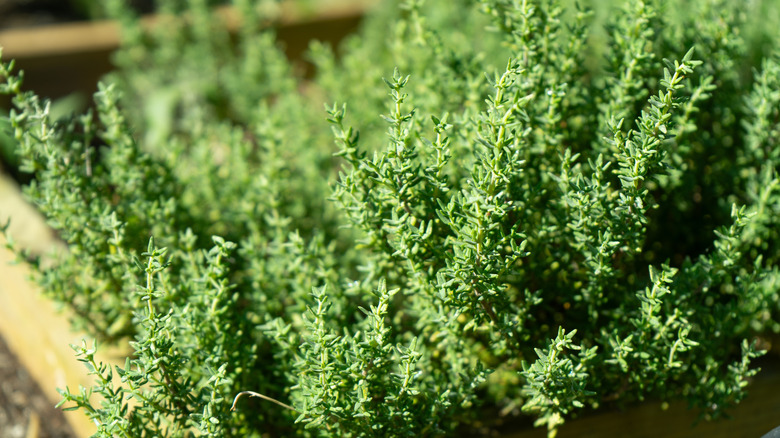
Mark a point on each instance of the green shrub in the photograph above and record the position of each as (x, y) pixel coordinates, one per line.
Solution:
(559, 209)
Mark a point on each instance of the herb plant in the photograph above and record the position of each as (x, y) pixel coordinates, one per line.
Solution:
(559, 208)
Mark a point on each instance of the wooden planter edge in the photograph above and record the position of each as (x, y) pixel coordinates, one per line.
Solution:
(101, 35)
(36, 332)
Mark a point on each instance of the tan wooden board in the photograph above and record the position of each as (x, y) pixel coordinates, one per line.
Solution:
(756, 415)
(103, 35)
(69, 59)
(35, 331)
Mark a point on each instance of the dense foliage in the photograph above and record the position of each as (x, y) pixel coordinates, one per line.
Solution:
(557, 209)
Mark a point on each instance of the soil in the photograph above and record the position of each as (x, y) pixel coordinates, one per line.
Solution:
(25, 412)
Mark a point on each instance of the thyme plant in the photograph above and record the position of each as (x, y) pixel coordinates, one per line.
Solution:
(528, 208)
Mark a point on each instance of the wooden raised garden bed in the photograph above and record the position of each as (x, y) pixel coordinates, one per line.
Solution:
(61, 59)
